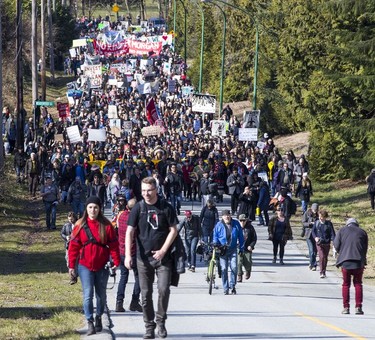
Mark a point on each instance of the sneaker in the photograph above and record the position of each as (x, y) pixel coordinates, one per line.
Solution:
(313, 269)
(233, 292)
(359, 311)
(322, 276)
(192, 269)
(345, 311)
(162, 331)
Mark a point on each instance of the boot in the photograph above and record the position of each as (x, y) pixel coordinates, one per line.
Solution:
(98, 324)
(248, 274)
(120, 307)
(90, 328)
(239, 278)
(135, 306)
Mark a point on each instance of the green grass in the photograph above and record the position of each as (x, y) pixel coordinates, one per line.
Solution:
(36, 300)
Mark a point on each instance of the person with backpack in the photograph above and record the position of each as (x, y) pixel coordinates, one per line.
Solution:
(93, 242)
(153, 222)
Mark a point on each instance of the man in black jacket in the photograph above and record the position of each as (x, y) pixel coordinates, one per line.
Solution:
(351, 243)
(191, 224)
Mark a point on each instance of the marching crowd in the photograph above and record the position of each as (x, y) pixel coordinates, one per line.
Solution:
(186, 162)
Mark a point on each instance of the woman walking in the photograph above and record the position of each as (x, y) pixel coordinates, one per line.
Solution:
(93, 242)
(279, 232)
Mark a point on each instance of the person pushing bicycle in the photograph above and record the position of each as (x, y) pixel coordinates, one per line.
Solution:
(227, 235)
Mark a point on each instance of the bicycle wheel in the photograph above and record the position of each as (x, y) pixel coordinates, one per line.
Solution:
(211, 275)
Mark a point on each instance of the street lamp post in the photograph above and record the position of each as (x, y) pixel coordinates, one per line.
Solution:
(256, 46)
(222, 52)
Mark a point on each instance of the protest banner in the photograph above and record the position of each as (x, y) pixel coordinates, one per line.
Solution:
(151, 130)
(203, 103)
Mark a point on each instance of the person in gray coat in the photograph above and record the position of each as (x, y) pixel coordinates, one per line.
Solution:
(235, 184)
(351, 243)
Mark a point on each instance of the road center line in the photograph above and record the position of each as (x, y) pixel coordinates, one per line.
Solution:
(328, 325)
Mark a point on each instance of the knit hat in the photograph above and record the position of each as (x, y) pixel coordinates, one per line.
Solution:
(94, 199)
(314, 206)
(352, 221)
(225, 212)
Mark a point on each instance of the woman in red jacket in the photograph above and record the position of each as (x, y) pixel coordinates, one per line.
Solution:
(94, 242)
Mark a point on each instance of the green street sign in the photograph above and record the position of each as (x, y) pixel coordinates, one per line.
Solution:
(44, 103)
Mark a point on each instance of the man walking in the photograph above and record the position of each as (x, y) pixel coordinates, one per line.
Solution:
(351, 243)
(227, 234)
(235, 185)
(154, 223)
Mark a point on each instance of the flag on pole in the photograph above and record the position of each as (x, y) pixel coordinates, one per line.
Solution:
(151, 113)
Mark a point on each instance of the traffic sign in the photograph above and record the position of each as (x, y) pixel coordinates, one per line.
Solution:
(115, 8)
(44, 103)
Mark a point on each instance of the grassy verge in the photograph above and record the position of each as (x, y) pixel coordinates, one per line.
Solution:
(36, 300)
(342, 200)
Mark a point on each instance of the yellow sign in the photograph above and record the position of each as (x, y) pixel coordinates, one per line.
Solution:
(115, 8)
(173, 33)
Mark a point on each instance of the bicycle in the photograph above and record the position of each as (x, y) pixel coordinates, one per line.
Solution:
(210, 278)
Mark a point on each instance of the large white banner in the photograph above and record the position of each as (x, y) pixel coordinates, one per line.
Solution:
(73, 134)
(203, 103)
(248, 134)
(96, 135)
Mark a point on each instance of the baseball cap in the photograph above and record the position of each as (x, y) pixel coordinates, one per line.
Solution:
(188, 213)
(225, 212)
(242, 217)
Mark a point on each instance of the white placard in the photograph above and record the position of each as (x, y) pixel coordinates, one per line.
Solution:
(79, 42)
(263, 176)
(218, 128)
(112, 112)
(251, 119)
(73, 134)
(112, 81)
(96, 135)
(72, 52)
(247, 134)
(261, 145)
(151, 130)
(115, 123)
(203, 103)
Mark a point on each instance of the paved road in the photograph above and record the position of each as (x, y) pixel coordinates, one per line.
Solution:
(278, 302)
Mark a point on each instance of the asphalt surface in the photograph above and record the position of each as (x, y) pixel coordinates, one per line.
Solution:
(278, 302)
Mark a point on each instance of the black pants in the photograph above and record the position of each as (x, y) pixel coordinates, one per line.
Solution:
(234, 202)
(276, 245)
(372, 199)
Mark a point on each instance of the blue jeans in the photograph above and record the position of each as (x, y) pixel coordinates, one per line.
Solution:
(146, 272)
(304, 205)
(175, 201)
(78, 207)
(50, 215)
(229, 260)
(312, 251)
(191, 247)
(124, 276)
(89, 281)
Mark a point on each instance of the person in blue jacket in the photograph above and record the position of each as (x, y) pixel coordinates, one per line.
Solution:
(228, 236)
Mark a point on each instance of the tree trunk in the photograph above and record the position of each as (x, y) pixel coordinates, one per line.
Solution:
(1, 94)
(142, 9)
(50, 42)
(42, 61)
(34, 48)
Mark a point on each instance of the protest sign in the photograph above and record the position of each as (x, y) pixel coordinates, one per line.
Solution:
(73, 134)
(251, 119)
(112, 112)
(97, 135)
(218, 128)
(203, 103)
(247, 134)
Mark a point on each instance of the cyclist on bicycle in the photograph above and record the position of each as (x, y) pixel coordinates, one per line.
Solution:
(227, 235)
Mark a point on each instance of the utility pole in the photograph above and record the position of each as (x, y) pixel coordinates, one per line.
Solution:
(50, 41)
(43, 49)
(1, 93)
(19, 85)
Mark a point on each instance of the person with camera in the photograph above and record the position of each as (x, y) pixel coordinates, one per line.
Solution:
(235, 184)
(228, 236)
(323, 234)
(122, 225)
(153, 222)
(308, 220)
(93, 243)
